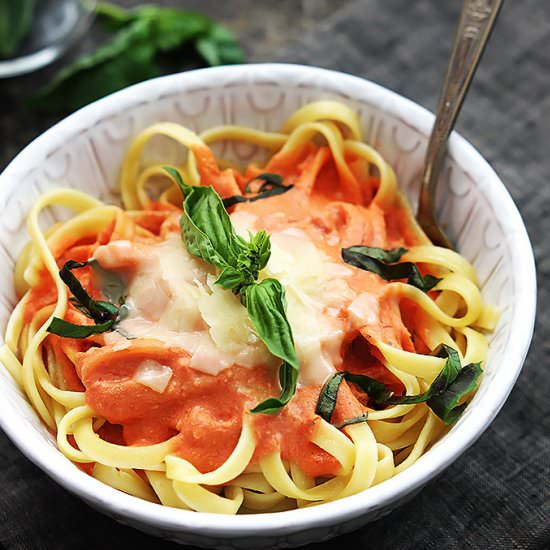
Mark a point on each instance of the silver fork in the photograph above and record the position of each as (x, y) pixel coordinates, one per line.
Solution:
(474, 28)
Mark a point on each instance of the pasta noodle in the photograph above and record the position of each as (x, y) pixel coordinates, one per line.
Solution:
(160, 407)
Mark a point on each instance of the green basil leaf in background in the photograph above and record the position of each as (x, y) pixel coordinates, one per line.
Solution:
(219, 46)
(173, 27)
(131, 55)
(70, 330)
(380, 261)
(15, 24)
(127, 59)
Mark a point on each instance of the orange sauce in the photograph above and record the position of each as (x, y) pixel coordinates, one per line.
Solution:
(206, 412)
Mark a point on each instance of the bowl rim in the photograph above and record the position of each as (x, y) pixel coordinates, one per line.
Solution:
(375, 498)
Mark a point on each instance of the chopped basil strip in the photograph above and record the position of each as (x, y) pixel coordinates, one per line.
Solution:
(208, 233)
(104, 314)
(272, 186)
(452, 384)
(355, 420)
(446, 404)
(329, 393)
(328, 396)
(70, 330)
(382, 262)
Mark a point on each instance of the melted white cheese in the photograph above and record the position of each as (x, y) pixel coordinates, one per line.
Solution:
(172, 297)
(153, 374)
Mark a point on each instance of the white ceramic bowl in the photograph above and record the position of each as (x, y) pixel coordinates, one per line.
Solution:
(84, 151)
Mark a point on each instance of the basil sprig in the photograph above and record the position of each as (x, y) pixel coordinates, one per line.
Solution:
(208, 233)
(443, 396)
(273, 185)
(104, 314)
(383, 263)
(143, 42)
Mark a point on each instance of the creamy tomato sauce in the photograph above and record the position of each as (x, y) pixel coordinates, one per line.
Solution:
(195, 366)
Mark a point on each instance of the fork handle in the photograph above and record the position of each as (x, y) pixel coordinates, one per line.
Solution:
(476, 22)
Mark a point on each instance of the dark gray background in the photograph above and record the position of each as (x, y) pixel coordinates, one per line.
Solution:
(496, 495)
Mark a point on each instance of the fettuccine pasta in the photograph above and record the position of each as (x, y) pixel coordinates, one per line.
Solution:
(159, 404)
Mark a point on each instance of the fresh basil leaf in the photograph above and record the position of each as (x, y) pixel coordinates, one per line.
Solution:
(176, 176)
(70, 330)
(265, 304)
(230, 278)
(378, 260)
(254, 255)
(260, 245)
(208, 233)
(288, 379)
(272, 186)
(173, 28)
(205, 226)
(15, 23)
(207, 229)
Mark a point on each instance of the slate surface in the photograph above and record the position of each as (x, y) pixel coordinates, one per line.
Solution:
(497, 494)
